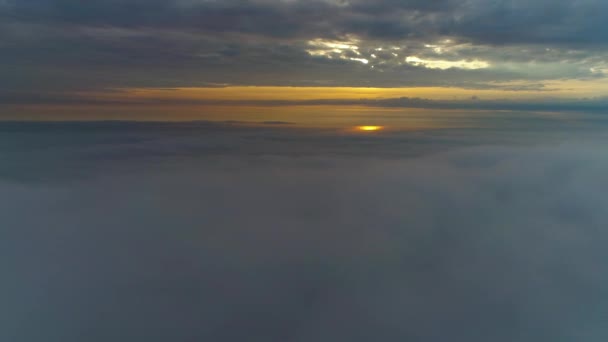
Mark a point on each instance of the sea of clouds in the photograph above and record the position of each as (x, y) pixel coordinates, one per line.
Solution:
(228, 232)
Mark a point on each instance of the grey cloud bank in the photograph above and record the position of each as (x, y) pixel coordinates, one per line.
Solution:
(52, 45)
(189, 232)
(504, 21)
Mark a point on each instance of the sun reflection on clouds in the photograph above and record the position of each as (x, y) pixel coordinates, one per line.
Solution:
(445, 64)
(336, 49)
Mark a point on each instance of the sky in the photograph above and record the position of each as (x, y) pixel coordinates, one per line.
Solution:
(303, 170)
(196, 59)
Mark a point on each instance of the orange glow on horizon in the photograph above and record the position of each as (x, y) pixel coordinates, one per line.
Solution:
(285, 93)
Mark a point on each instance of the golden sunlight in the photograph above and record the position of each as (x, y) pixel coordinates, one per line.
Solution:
(369, 128)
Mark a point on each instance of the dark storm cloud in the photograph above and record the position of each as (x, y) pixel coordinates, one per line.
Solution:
(490, 243)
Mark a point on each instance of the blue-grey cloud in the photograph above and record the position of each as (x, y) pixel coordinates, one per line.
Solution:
(505, 21)
(48, 44)
(492, 242)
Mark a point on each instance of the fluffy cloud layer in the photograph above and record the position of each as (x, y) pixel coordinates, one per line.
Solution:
(224, 233)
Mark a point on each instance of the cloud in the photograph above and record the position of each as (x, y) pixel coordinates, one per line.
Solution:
(51, 44)
(549, 103)
(158, 232)
(505, 21)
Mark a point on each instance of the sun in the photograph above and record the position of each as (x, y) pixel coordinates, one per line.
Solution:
(369, 128)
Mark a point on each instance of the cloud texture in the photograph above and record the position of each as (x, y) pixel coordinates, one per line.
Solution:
(189, 232)
(53, 45)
